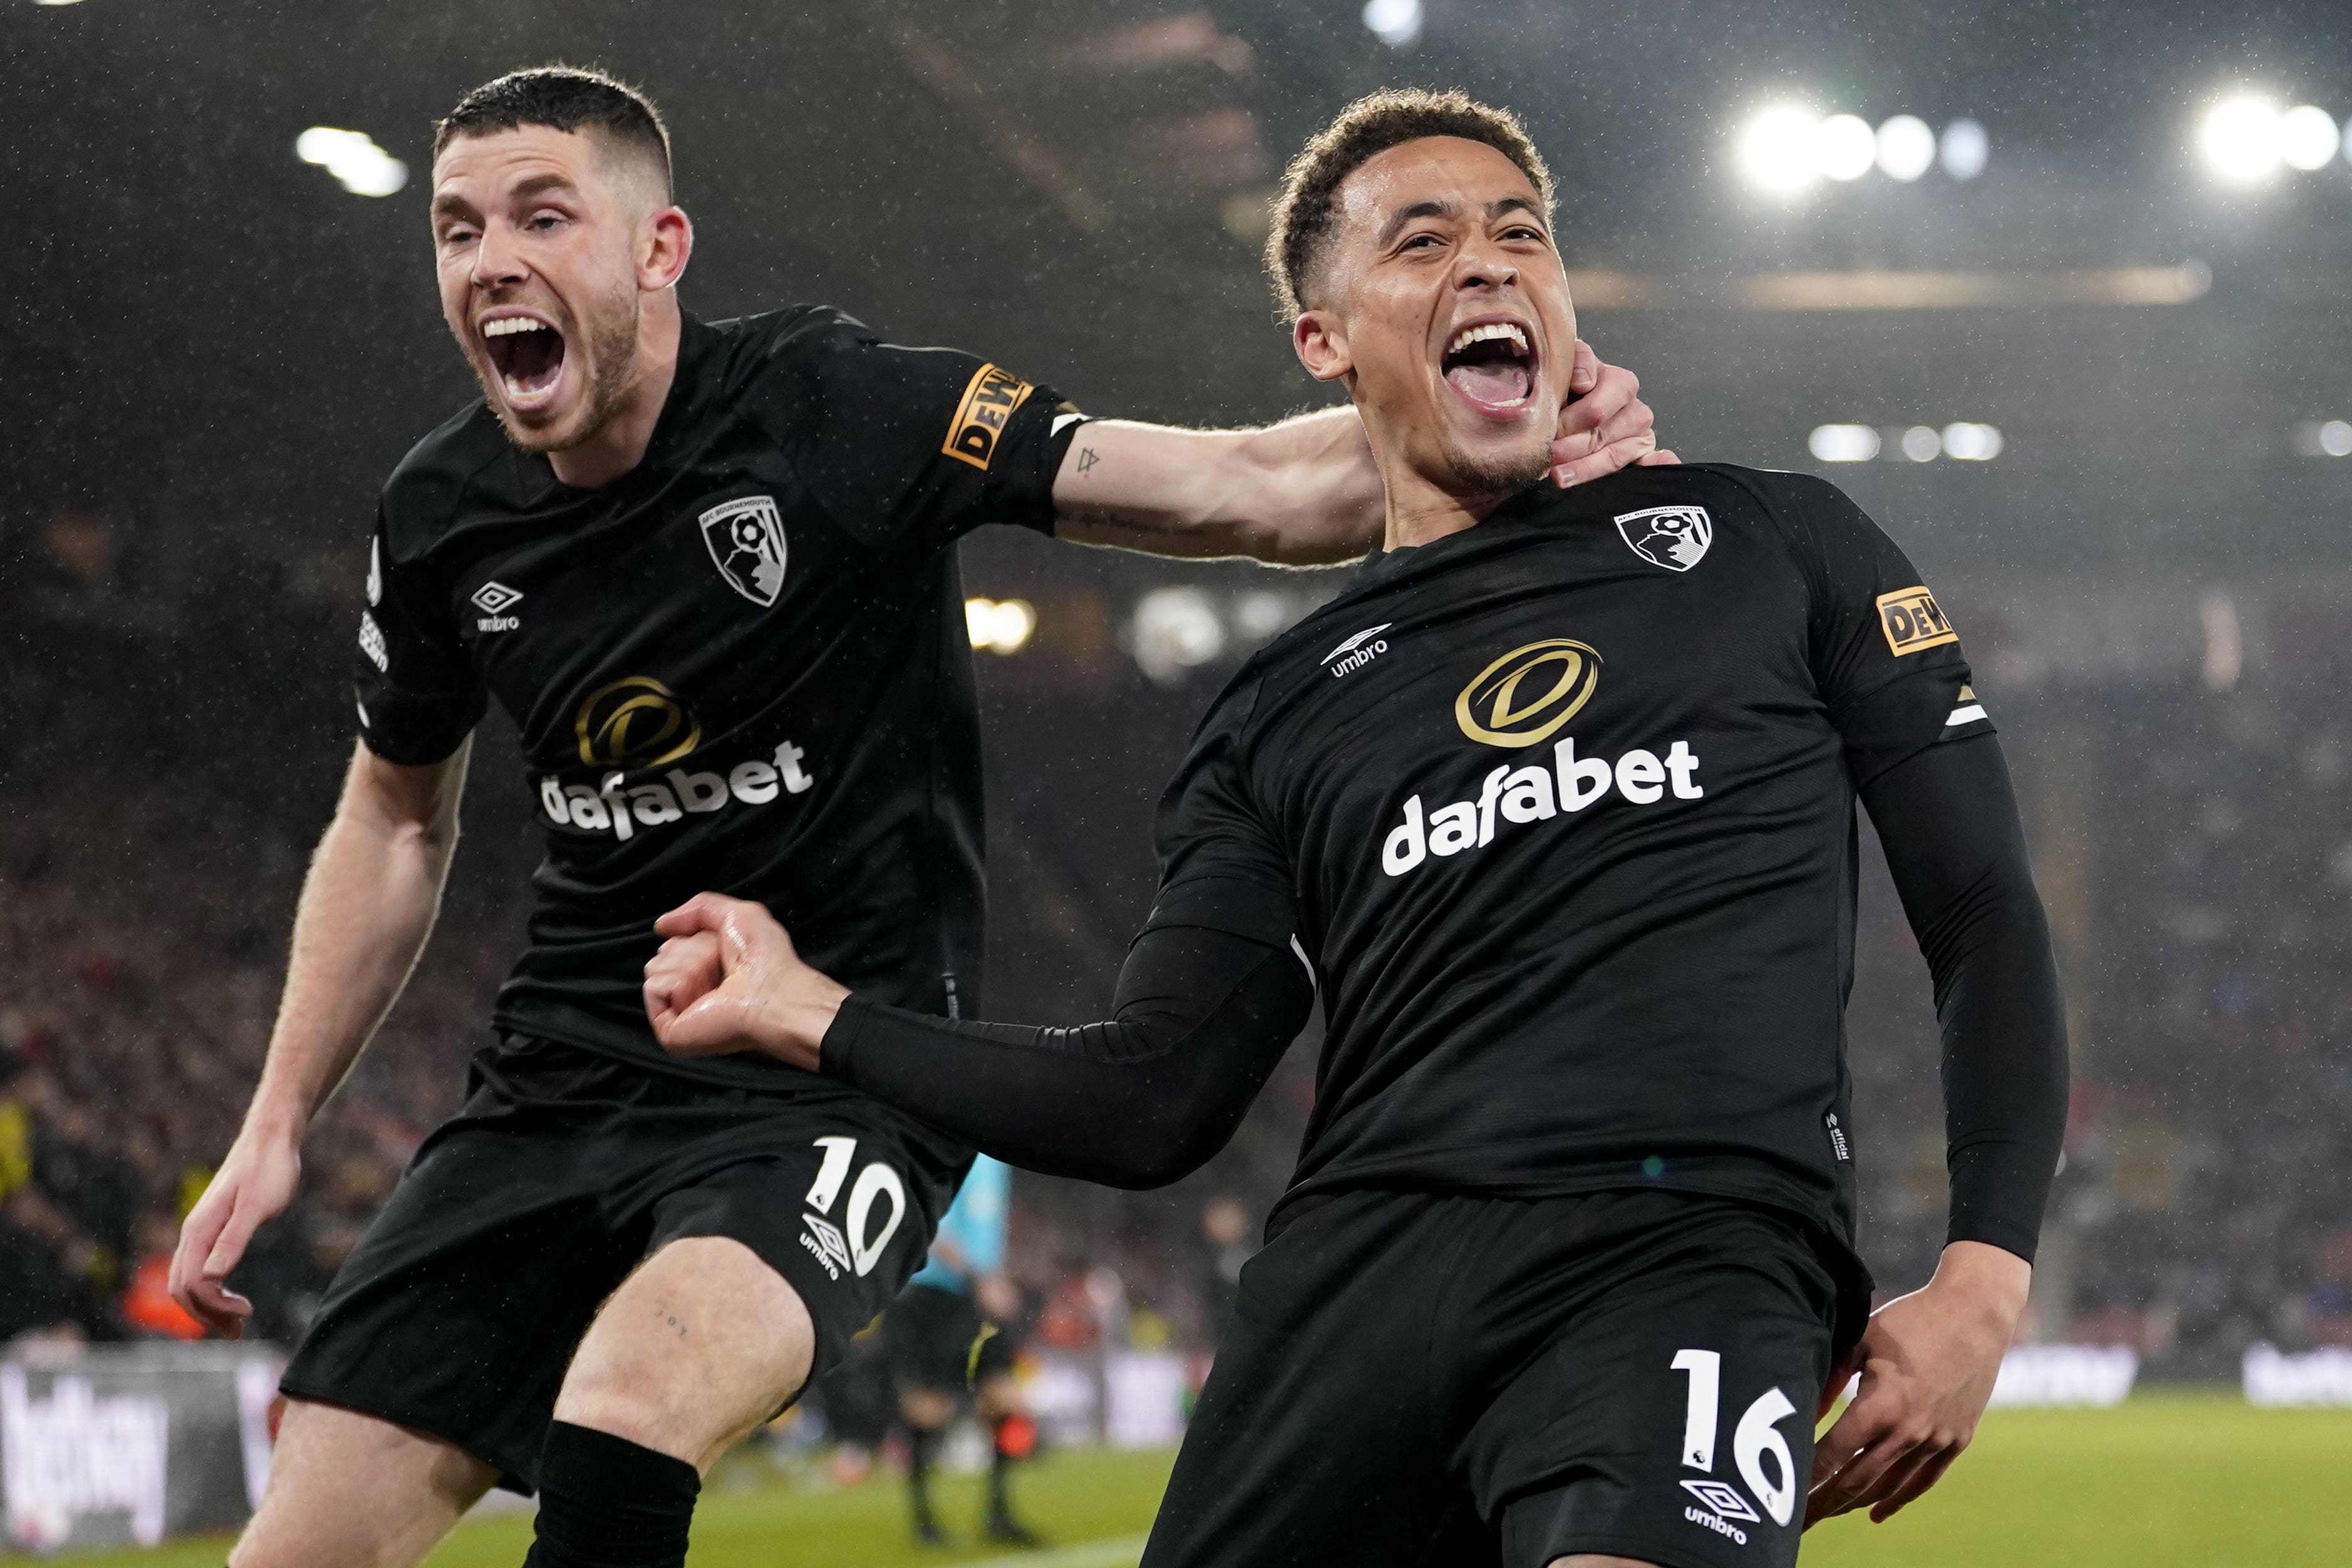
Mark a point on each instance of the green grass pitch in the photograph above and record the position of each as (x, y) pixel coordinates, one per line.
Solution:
(2176, 1480)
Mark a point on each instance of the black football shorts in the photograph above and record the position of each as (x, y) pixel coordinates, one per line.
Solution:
(1456, 1381)
(458, 1311)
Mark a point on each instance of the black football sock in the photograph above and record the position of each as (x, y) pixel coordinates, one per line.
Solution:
(606, 1502)
(922, 1447)
(999, 1463)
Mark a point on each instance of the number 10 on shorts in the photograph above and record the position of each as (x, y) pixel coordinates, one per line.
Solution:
(1754, 1440)
(848, 1246)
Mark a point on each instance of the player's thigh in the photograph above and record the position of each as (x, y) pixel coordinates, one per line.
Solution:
(1671, 1421)
(699, 1345)
(1322, 1436)
(759, 1272)
(348, 1490)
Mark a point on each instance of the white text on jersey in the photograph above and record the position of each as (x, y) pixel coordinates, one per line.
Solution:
(619, 808)
(1538, 795)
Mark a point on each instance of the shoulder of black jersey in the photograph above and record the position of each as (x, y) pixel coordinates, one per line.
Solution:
(747, 345)
(813, 373)
(427, 489)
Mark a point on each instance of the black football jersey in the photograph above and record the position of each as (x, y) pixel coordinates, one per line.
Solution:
(743, 666)
(1562, 809)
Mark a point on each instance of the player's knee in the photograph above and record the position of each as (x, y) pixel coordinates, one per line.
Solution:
(702, 1342)
(927, 1408)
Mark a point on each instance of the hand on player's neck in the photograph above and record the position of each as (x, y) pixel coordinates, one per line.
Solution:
(620, 445)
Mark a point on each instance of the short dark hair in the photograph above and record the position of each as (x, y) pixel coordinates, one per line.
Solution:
(1304, 210)
(561, 98)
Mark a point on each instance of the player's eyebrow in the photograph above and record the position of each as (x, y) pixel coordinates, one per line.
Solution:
(1511, 203)
(1494, 209)
(449, 204)
(1405, 214)
(538, 183)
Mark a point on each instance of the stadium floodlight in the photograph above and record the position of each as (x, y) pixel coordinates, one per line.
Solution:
(2241, 139)
(1845, 147)
(1965, 149)
(358, 165)
(1000, 625)
(1259, 615)
(56, 1)
(2307, 137)
(1906, 148)
(1776, 148)
(1174, 630)
(1921, 444)
(1842, 443)
(1396, 23)
(1967, 443)
(2324, 438)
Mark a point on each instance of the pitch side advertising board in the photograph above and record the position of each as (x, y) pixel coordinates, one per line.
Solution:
(125, 1444)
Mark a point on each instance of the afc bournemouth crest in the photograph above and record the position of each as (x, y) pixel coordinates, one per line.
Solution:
(1674, 537)
(747, 543)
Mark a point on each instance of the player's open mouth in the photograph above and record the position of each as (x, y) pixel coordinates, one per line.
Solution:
(1492, 366)
(527, 353)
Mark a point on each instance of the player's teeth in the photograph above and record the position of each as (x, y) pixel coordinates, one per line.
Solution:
(1469, 335)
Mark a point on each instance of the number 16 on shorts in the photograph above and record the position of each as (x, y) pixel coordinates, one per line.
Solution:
(1757, 1450)
(856, 1243)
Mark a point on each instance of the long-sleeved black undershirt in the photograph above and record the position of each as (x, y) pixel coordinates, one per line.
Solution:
(1948, 822)
(1200, 1016)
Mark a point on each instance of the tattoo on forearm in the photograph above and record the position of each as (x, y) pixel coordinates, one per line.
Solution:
(1086, 460)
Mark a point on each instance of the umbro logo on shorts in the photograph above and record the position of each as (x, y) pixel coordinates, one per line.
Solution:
(1724, 1499)
(823, 1239)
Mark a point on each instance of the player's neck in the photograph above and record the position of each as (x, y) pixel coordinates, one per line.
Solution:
(621, 444)
(1422, 509)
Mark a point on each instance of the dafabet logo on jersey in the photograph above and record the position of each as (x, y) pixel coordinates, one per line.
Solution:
(1524, 697)
(1519, 701)
(1912, 621)
(989, 402)
(639, 724)
(635, 722)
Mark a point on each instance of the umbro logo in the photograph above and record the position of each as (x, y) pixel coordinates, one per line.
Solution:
(1359, 650)
(823, 1238)
(494, 599)
(1724, 1499)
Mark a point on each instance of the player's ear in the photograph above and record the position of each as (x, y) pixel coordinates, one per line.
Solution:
(665, 243)
(1321, 343)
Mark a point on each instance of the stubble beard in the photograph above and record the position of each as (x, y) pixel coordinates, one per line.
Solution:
(1501, 474)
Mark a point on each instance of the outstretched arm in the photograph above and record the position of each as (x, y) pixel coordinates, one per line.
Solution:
(365, 911)
(1140, 1099)
(1953, 841)
(1304, 491)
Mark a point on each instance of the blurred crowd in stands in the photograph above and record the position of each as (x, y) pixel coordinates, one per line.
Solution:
(2195, 847)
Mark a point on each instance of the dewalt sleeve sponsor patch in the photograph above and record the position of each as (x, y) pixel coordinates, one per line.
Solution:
(988, 405)
(1912, 621)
